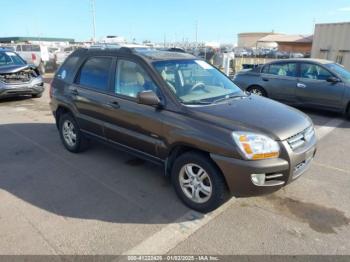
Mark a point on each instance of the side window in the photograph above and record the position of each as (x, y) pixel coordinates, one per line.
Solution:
(35, 48)
(315, 72)
(18, 48)
(26, 48)
(67, 69)
(131, 79)
(265, 69)
(281, 69)
(95, 73)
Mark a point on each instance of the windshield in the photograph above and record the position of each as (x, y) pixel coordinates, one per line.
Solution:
(10, 58)
(340, 71)
(195, 81)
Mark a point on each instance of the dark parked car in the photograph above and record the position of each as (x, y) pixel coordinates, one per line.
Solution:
(303, 82)
(17, 78)
(181, 113)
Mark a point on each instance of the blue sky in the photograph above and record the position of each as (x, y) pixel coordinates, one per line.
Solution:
(218, 20)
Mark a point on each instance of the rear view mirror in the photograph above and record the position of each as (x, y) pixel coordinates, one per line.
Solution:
(148, 98)
(333, 79)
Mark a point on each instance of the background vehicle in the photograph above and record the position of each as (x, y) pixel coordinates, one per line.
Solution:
(182, 113)
(37, 55)
(18, 78)
(306, 82)
(63, 53)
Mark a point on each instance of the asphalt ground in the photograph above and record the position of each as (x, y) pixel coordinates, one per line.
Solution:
(107, 202)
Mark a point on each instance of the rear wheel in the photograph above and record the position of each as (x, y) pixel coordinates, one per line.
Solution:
(71, 136)
(257, 90)
(348, 112)
(198, 182)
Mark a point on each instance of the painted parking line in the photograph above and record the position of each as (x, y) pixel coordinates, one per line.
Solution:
(170, 236)
(327, 128)
(175, 233)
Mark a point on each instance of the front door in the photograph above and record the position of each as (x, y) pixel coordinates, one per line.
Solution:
(138, 127)
(314, 89)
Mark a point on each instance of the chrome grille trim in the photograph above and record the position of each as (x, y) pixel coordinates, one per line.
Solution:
(300, 139)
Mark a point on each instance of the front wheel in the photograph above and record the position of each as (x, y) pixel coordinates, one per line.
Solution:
(198, 182)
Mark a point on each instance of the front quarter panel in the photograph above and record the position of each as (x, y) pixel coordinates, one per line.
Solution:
(183, 130)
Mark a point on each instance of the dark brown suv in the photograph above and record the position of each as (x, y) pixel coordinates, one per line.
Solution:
(182, 113)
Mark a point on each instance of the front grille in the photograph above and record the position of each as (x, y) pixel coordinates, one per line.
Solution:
(302, 138)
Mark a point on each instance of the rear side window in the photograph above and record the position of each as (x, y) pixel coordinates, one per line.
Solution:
(281, 69)
(95, 73)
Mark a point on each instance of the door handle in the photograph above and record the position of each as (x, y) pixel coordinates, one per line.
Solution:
(265, 79)
(74, 92)
(301, 85)
(114, 104)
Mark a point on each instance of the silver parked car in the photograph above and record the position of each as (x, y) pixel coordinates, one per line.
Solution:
(17, 78)
(301, 82)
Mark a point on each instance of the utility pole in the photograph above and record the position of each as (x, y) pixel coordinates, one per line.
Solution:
(93, 12)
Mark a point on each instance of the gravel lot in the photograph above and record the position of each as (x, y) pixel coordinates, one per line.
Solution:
(106, 202)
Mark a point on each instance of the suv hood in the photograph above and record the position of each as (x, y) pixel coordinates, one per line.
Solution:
(256, 114)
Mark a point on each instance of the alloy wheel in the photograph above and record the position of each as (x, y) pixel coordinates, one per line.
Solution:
(195, 183)
(69, 134)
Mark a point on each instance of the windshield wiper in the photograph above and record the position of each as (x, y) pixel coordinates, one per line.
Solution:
(228, 97)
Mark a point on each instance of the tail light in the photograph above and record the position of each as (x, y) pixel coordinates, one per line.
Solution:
(33, 57)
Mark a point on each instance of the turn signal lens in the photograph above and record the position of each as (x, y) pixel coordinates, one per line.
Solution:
(256, 146)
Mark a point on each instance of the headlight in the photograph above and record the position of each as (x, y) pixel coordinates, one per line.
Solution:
(256, 146)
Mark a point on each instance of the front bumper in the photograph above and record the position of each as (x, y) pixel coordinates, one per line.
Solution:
(34, 87)
(281, 171)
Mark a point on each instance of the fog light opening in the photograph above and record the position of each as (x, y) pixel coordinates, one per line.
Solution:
(258, 179)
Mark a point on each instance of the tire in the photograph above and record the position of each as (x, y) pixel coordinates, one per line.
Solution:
(257, 90)
(37, 95)
(212, 178)
(71, 136)
(347, 114)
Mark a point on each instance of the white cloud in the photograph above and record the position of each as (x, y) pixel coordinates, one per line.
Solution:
(344, 9)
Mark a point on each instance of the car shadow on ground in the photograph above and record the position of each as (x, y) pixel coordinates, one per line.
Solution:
(321, 117)
(100, 184)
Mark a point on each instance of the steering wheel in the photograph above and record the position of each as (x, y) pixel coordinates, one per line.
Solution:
(200, 85)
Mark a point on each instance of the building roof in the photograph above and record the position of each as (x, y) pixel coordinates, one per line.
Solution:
(287, 39)
(17, 39)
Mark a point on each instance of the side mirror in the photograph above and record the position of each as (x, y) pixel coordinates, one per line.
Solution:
(148, 98)
(333, 79)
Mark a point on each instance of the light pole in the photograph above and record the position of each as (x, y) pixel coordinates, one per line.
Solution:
(93, 12)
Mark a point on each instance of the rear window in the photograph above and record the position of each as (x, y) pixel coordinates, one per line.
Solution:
(95, 73)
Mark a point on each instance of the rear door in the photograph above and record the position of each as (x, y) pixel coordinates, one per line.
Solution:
(280, 80)
(90, 93)
(314, 89)
(132, 125)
